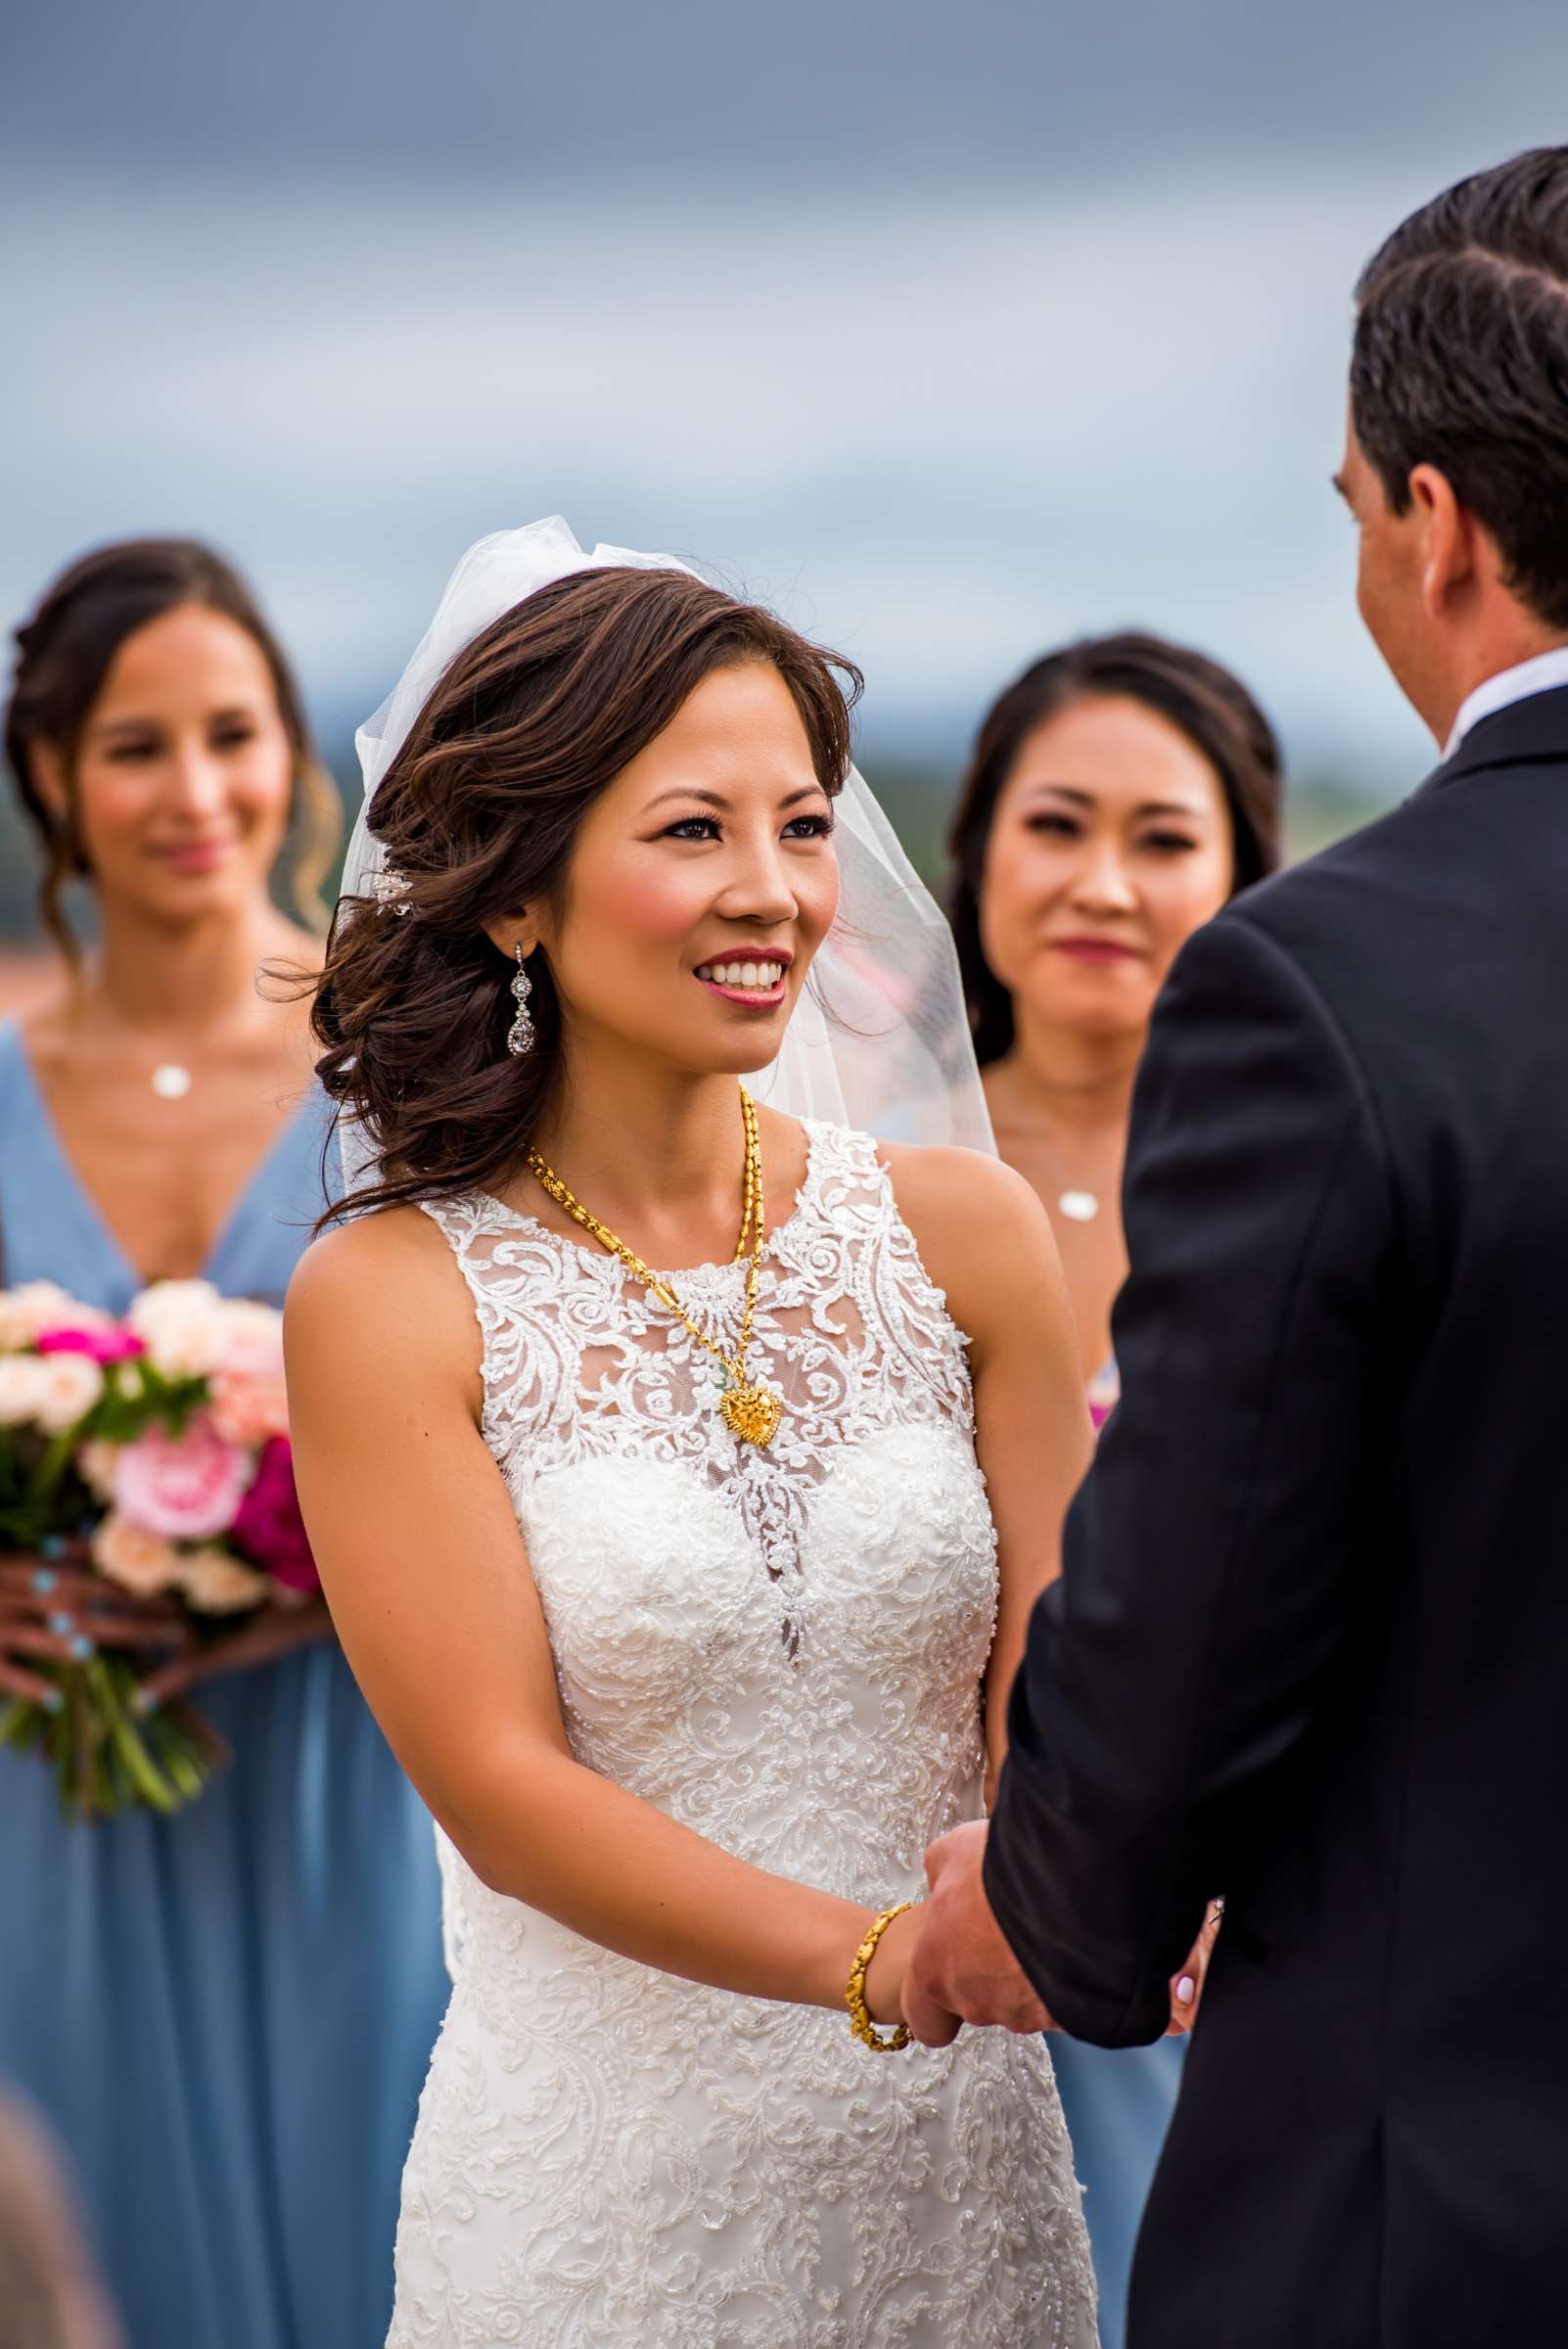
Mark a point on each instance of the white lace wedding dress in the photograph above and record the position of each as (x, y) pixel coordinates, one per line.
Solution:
(783, 1649)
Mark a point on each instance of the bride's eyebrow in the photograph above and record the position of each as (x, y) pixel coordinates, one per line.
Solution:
(689, 791)
(716, 799)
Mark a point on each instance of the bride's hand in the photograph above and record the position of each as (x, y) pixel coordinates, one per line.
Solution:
(890, 1960)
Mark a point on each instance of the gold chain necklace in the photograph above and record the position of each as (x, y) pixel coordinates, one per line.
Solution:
(749, 1411)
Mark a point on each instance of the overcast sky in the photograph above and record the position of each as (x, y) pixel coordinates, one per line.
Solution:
(952, 330)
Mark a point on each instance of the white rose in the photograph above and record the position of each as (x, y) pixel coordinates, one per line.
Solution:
(217, 1584)
(19, 1388)
(68, 1386)
(39, 1304)
(133, 1557)
(182, 1326)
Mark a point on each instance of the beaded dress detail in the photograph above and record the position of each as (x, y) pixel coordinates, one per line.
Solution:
(782, 1649)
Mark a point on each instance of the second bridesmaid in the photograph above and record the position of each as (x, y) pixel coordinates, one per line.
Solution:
(1119, 792)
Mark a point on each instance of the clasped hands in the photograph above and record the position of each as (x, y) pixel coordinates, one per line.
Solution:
(959, 1966)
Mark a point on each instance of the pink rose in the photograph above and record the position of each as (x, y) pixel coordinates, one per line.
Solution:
(269, 1526)
(187, 1487)
(107, 1345)
(248, 1407)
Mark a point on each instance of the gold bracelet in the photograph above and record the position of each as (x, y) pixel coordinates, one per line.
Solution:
(860, 2022)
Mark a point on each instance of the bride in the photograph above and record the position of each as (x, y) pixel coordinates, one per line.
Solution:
(687, 1598)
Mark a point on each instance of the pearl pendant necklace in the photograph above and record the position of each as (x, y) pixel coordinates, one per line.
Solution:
(1079, 1207)
(170, 1081)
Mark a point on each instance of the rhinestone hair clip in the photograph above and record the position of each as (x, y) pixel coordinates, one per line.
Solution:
(391, 892)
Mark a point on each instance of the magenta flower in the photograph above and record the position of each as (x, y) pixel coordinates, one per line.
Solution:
(187, 1487)
(269, 1526)
(110, 1344)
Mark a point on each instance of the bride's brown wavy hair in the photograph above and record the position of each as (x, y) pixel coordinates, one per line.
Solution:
(479, 812)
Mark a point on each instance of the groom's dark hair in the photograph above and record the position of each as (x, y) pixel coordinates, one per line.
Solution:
(1462, 361)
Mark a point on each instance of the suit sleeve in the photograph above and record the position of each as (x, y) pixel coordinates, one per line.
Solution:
(1177, 1662)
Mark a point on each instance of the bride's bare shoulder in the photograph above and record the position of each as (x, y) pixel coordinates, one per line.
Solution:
(380, 1286)
(940, 1183)
(980, 1230)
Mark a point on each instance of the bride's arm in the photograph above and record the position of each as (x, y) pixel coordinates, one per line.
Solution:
(438, 1612)
(985, 1240)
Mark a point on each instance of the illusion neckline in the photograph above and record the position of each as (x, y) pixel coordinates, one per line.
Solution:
(593, 1253)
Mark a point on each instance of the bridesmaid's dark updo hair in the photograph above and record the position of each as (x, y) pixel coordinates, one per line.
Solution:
(65, 651)
(1210, 706)
(479, 813)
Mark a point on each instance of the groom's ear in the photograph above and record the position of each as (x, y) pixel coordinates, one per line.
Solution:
(1449, 540)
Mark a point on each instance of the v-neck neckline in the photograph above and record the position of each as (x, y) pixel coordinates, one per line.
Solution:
(93, 1214)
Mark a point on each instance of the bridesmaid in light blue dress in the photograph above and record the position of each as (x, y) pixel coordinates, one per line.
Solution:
(227, 2015)
(1119, 792)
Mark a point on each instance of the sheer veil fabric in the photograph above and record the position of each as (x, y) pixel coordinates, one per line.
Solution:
(880, 1039)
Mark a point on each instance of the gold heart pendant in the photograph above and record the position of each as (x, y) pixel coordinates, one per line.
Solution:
(751, 1414)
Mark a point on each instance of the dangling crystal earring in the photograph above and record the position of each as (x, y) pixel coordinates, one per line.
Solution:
(520, 1036)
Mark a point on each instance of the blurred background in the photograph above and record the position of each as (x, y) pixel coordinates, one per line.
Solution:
(950, 330)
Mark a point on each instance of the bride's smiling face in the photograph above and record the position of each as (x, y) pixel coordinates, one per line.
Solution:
(702, 883)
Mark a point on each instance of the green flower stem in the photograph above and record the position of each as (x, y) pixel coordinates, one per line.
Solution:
(103, 1756)
(57, 1458)
(67, 1739)
(182, 1763)
(20, 1722)
(145, 1776)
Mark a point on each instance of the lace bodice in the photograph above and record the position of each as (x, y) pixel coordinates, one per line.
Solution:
(674, 1562)
(783, 1648)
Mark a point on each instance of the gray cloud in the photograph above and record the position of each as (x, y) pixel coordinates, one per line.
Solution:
(996, 420)
(709, 92)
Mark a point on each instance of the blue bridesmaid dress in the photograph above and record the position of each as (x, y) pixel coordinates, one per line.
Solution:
(227, 2015)
(1118, 2103)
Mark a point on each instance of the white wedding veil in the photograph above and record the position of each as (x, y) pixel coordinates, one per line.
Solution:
(879, 1040)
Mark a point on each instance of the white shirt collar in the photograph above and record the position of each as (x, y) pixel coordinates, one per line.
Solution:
(1537, 675)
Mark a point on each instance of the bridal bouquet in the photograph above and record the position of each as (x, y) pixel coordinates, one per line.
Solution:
(158, 1446)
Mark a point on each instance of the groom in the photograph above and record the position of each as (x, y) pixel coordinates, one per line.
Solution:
(1309, 1649)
